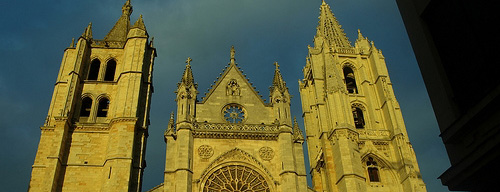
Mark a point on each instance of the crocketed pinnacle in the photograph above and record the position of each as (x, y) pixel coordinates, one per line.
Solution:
(187, 77)
(278, 82)
(120, 29)
(330, 29)
(297, 133)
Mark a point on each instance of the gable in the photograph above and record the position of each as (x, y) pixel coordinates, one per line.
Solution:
(232, 88)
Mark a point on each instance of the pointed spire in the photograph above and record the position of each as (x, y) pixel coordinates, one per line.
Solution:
(187, 77)
(127, 8)
(140, 23)
(171, 130)
(232, 59)
(330, 29)
(72, 45)
(278, 82)
(87, 34)
(360, 36)
(120, 29)
(297, 133)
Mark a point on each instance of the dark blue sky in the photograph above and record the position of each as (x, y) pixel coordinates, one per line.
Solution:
(34, 35)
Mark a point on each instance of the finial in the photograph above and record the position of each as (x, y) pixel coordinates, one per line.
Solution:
(188, 61)
(276, 64)
(127, 8)
(72, 43)
(232, 59)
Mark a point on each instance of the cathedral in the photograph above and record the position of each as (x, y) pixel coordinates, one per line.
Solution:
(230, 140)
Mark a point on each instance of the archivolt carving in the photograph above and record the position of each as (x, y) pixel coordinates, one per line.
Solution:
(236, 178)
(236, 155)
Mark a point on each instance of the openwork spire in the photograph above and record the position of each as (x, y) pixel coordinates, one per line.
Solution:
(278, 82)
(330, 29)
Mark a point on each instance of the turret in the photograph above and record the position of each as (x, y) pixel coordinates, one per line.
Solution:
(186, 95)
(280, 97)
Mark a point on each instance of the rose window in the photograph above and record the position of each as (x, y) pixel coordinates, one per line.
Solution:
(234, 113)
(236, 178)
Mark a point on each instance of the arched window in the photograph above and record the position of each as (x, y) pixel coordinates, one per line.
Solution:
(350, 81)
(95, 65)
(110, 70)
(86, 107)
(359, 119)
(103, 107)
(373, 173)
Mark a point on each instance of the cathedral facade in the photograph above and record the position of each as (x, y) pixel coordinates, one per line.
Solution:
(230, 140)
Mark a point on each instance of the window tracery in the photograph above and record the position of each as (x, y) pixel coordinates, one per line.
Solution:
(234, 113)
(373, 173)
(236, 178)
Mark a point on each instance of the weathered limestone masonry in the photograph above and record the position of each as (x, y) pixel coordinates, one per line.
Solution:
(94, 137)
(357, 139)
(232, 140)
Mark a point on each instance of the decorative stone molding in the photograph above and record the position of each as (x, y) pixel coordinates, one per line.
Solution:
(373, 133)
(266, 153)
(236, 127)
(205, 151)
(235, 155)
(233, 135)
(122, 119)
(344, 133)
(107, 44)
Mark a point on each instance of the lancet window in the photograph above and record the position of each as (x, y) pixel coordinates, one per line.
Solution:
(359, 119)
(373, 173)
(350, 80)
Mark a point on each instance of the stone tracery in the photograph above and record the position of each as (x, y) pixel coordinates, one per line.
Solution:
(236, 178)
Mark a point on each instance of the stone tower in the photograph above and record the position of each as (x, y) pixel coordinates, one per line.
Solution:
(356, 135)
(94, 137)
(232, 140)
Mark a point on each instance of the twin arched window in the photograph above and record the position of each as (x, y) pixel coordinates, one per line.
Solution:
(86, 108)
(95, 69)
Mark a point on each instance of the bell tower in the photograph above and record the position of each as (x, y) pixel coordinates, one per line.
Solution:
(94, 136)
(356, 135)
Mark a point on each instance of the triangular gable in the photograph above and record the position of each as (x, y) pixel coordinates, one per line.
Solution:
(233, 72)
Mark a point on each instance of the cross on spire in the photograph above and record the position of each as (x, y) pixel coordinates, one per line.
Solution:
(188, 60)
(276, 64)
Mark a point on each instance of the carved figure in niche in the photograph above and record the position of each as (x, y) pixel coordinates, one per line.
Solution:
(233, 88)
